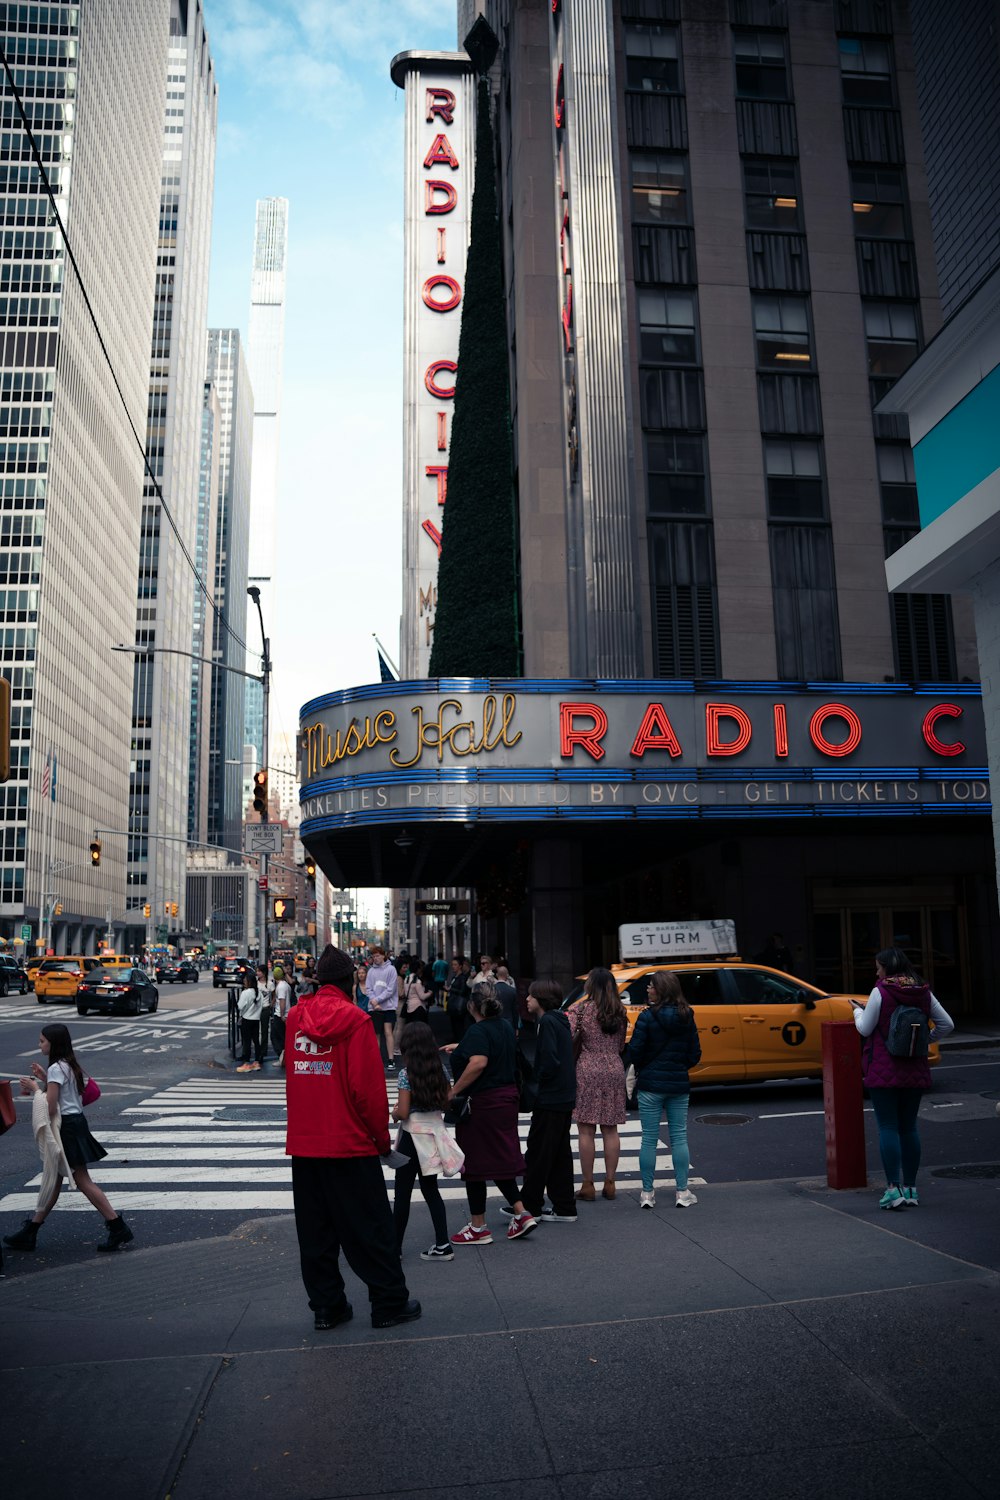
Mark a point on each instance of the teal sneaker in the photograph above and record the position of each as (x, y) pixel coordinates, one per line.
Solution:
(910, 1198)
(892, 1198)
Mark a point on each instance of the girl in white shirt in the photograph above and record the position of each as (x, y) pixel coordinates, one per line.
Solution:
(64, 1084)
(249, 1005)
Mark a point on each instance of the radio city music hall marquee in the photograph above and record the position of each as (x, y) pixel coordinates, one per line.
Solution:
(573, 751)
(440, 130)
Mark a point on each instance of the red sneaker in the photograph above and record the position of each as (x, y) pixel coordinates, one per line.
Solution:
(470, 1235)
(521, 1224)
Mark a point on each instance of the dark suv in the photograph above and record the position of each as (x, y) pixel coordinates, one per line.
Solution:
(229, 971)
(12, 976)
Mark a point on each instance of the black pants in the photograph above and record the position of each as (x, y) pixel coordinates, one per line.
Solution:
(342, 1204)
(250, 1032)
(548, 1162)
(405, 1178)
(265, 1028)
(476, 1193)
(458, 1016)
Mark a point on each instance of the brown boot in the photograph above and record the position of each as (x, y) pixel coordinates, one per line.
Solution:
(586, 1191)
(608, 1190)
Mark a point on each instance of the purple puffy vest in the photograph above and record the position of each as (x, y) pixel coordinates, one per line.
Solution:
(880, 1069)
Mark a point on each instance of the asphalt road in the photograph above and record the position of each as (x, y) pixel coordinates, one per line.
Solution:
(196, 1150)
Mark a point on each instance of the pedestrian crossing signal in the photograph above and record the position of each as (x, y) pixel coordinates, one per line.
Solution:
(282, 909)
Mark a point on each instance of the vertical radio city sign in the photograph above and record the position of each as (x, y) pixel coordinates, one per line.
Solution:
(440, 143)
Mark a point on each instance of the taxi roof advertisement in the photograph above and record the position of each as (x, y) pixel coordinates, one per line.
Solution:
(551, 748)
(714, 938)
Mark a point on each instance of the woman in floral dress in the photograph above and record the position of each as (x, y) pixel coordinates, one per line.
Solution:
(600, 1020)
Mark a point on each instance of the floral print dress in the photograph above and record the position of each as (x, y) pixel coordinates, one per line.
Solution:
(600, 1075)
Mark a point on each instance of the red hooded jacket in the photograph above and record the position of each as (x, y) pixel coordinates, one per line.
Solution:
(334, 1085)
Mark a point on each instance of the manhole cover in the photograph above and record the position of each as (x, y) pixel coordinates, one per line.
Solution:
(249, 1112)
(723, 1119)
(975, 1169)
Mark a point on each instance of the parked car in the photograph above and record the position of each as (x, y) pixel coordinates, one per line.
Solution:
(182, 972)
(12, 975)
(229, 971)
(109, 990)
(59, 978)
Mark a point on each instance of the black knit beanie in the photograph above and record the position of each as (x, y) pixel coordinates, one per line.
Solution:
(334, 967)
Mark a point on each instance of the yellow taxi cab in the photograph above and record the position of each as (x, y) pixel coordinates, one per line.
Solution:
(59, 978)
(301, 960)
(754, 1022)
(32, 966)
(114, 961)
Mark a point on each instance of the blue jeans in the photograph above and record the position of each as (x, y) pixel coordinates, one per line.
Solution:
(898, 1142)
(651, 1107)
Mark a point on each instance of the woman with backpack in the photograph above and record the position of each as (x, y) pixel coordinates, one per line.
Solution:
(897, 1024)
(664, 1046)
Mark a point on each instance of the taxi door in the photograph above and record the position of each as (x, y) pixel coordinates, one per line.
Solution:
(717, 1018)
(781, 1035)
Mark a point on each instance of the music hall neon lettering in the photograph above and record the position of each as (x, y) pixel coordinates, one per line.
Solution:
(324, 749)
(465, 737)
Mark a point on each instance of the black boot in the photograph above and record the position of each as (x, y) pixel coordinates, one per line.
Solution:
(119, 1234)
(25, 1237)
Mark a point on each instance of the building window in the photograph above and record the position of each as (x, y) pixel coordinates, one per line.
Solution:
(898, 485)
(866, 70)
(891, 332)
(807, 632)
(772, 195)
(923, 637)
(651, 59)
(761, 69)
(879, 203)
(659, 190)
(685, 624)
(675, 472)
(794, 480)
(781, 331)
(667, 327)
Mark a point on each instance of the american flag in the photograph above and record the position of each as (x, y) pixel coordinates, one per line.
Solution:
(47, 775)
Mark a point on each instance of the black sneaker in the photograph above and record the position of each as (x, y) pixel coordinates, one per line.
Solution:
(330, 1317)
(438, 1252)
(407, 1314)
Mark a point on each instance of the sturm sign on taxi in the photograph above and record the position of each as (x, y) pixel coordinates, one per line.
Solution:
(581, 750)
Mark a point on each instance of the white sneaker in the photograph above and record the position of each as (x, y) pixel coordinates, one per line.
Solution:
(647, 1200)
(685, 1199)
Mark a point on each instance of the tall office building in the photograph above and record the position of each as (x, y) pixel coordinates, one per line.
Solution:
(201, 634)
(92, 78)
(228, 374)
(717, 259)
(265, 357)
(162, 694)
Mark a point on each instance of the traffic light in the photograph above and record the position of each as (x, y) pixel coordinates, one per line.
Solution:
(260, 792)
(166, 908)
(310, 868)
(147, 910)
(282, 909)
(57, 909)
(173, 908)
(95, 853)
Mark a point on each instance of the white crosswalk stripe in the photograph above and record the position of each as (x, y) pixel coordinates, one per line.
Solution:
(182, 1149)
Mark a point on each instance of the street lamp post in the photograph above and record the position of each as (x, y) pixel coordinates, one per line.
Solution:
(265, 663)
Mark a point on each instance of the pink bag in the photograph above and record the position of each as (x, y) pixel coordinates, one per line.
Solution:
(91, 1091)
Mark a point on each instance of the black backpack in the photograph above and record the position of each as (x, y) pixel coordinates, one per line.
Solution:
(909, 1033)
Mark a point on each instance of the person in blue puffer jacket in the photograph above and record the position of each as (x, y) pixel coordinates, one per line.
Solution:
(664, 1046)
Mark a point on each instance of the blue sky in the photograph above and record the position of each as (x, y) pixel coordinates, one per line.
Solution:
(307, 111)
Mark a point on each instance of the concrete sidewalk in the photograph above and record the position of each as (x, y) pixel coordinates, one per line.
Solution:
(777, 1340)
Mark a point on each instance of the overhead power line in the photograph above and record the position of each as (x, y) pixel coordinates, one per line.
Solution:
(219, 614)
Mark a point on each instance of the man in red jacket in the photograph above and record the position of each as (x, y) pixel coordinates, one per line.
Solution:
(338, 1127)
